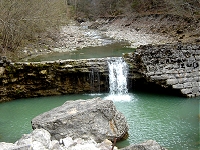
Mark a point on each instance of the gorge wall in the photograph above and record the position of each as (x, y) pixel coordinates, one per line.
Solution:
(34, 79)
(173, 66)
(170, 66)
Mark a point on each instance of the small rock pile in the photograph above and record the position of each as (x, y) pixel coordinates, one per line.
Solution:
(40, 139)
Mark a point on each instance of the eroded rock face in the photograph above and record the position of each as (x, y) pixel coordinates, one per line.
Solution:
(33, 79)
(95, 118)
(176, 66)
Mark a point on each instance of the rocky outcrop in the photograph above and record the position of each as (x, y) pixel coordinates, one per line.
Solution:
(40, 139)
(147, 145)
(96, 118)
(32, 79)
(175, 66)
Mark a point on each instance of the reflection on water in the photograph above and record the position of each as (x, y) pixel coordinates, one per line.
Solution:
(110, 50)
(171, 121)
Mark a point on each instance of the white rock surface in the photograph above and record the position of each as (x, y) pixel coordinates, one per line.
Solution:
(40, 139)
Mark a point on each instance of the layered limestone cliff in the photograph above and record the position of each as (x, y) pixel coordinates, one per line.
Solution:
(27, 79)
(173, 66)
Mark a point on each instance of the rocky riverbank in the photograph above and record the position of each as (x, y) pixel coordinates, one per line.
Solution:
(75, 37)
(152, 29)
(137, 30)
(40, 139)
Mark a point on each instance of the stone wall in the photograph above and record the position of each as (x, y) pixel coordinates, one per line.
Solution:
(171, 66)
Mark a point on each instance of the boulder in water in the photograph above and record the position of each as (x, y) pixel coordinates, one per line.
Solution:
(95, 118)
(147, 145)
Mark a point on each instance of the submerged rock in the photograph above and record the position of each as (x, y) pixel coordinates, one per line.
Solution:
(147, 145)
(95, 118)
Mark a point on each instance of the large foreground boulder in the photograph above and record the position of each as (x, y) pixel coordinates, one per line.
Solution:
(95, 118)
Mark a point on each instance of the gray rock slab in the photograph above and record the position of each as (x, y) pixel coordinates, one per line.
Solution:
(95, 118)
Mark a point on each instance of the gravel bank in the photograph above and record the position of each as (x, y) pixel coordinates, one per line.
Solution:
(135, 37)
(142, 30)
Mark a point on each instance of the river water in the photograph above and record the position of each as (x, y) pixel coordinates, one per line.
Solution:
(172, 121)
(109, 50)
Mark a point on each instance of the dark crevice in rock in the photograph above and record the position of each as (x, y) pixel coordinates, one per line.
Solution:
(142, 86)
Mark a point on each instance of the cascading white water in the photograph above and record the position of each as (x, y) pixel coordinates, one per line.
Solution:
(117, 76)
(118, 71)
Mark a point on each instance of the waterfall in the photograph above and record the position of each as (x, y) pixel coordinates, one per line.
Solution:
(118, 71)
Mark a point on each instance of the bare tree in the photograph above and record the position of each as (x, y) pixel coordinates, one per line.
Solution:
(23, 20)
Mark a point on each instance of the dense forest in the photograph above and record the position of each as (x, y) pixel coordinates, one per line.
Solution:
(24, 21)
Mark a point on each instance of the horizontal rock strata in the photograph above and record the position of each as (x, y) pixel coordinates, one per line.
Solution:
(32, 79)
(176, 66)
(147, 145)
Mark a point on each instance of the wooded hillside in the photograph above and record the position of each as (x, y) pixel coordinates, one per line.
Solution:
(23, 21)
(96, 8)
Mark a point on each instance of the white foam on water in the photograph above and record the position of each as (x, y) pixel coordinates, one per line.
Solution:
(119, 98)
